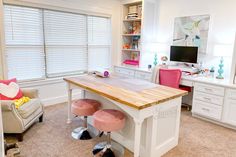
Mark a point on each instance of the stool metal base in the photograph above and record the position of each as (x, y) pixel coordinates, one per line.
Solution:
(83, 133)
(104, 149)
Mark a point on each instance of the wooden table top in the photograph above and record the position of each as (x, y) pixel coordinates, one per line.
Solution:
(135, 93)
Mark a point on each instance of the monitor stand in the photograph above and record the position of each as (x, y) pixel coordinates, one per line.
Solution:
(185, 67)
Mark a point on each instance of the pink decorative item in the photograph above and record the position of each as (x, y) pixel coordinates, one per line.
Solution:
(131, 62)
(10, 90)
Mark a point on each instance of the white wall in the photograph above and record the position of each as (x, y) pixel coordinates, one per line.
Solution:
(55, 91)
(222, 24)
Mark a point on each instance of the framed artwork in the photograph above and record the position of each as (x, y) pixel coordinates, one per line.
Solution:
(192, 31)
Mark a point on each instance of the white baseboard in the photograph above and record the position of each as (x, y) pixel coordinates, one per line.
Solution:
(59, 99)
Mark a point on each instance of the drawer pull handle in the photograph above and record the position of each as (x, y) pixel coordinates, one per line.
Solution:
(208, 99)
(208, 89)
(206, 109)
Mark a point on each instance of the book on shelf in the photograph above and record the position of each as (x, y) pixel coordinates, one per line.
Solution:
(133, 9)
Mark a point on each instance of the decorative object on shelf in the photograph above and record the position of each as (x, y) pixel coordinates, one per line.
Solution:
(164, 59)
(192, 31)
(140, 11)
(155, 60)
(149, 67)
(136, 28)
(134, 56)
(212, 72)
(126, 46)
(220, 70)
(222, 50)
(135, 42)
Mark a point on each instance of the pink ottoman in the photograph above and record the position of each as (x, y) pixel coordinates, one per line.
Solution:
(108, 120)
(85, 108)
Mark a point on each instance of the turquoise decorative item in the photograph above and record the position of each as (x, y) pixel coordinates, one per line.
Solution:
(155, 60)
(220, 71)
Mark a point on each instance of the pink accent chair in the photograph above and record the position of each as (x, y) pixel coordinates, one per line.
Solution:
(85, 108)
(108, 120)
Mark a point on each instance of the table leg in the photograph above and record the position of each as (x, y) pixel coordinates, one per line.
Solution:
(69, 90)
(82, 94)
(137, 137)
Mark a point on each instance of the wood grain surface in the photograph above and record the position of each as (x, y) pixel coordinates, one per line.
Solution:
(135, 93)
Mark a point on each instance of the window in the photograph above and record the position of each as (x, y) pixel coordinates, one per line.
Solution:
(43, 43)
(24, 42)
(99, 42)
(66, 43)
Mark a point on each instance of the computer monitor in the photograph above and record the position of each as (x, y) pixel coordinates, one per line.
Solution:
(183, 54)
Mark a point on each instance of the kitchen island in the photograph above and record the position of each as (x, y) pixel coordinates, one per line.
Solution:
(152, 111)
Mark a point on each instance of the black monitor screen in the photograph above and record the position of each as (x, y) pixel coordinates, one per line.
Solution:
(183, 54)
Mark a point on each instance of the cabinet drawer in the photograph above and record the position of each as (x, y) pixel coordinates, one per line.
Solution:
(124, 72)
(210, 89)
(209, 98)
(143, 75)
(207, 110)
(231, 94)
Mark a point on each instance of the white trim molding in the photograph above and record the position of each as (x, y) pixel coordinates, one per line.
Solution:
(233, 67)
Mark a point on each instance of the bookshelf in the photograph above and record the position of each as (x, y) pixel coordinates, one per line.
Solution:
(131, 35)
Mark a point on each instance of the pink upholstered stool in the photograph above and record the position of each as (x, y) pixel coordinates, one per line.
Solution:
(85, 108)
(108, 120)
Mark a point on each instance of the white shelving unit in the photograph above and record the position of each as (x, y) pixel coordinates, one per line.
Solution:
(131, 29)
(148, 26)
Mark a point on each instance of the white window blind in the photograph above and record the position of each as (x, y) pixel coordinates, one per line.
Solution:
(66, 43)
(99, 42)
(24, 42)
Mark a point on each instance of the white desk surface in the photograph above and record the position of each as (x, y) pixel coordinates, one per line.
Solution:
(194, 78)
(208, 80)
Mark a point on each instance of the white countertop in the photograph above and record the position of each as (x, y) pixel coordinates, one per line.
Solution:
(194, 78)
(209, 80)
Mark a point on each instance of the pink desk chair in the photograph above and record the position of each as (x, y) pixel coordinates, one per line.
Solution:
(171, 78)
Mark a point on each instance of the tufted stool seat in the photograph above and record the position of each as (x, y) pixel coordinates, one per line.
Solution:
(108, 120)
(85, 108)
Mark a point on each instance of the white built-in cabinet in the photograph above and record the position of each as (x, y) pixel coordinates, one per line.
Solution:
(233, 67)
(213, 102)
(216, 103)
(229, 115)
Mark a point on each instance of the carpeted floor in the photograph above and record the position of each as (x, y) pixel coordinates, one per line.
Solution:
(52, 138)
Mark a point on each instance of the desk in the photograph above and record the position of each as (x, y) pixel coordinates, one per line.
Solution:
(153, 110)
(213, 99)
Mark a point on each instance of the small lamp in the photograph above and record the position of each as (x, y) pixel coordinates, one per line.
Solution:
(222, 51)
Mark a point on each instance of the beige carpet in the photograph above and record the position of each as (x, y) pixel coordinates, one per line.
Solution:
(52, 138)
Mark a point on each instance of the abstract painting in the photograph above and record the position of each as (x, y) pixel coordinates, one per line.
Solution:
(192, 31)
